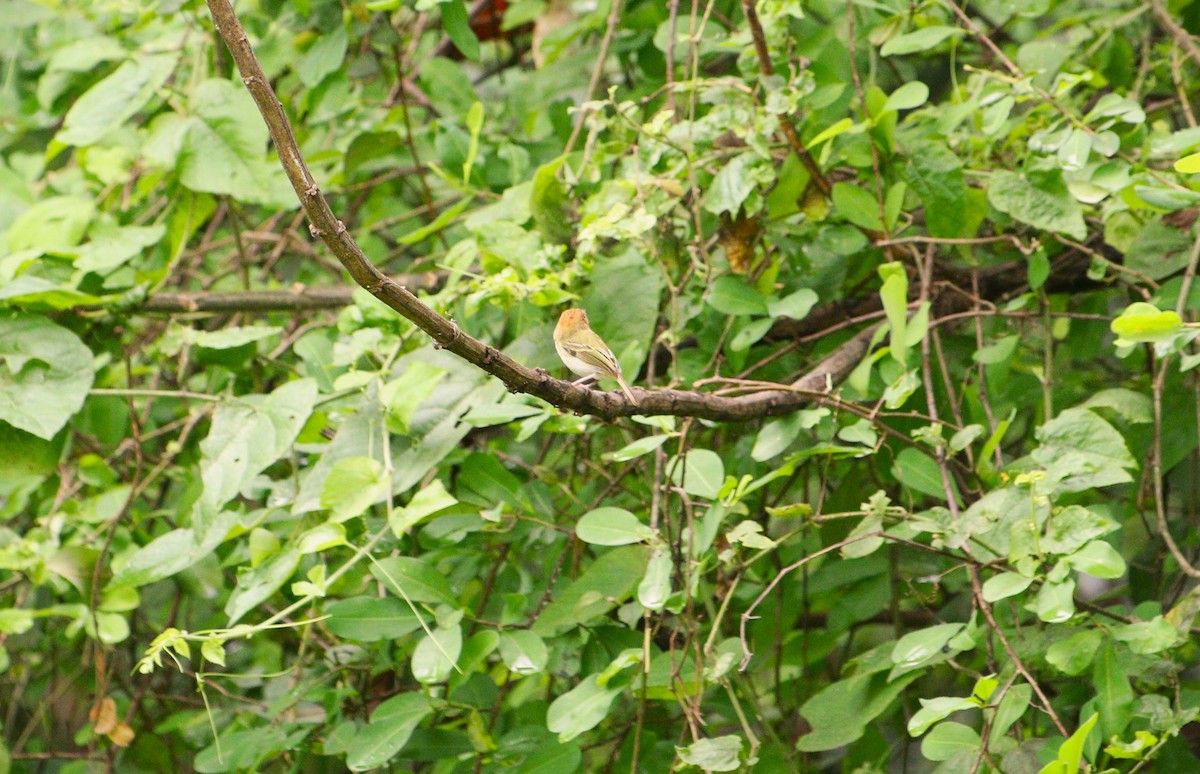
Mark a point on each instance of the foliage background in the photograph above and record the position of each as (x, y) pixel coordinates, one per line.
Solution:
(250, 520)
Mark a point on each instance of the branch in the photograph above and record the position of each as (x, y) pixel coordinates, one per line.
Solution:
(785, 121)
(446, 334)
(298, 299)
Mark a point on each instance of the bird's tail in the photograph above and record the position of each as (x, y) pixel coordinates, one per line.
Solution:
(625, 387)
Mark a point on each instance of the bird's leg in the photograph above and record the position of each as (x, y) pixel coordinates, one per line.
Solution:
(586, 381)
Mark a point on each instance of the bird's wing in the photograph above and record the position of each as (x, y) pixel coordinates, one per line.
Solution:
(598, 357)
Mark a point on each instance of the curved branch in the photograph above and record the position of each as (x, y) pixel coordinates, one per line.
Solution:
(446, 334)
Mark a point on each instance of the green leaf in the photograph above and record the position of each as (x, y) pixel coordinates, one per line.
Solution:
(733, 183)
(250, 433)
(894, 294)
(911, 95)
(839, 713)
(326, 55)
(458, 27)
(919, 40)
(1004, 585)
(523, 652)
(1098, 559)
(1039, 198)
(113, 100)
(1143, 323)
(1011, 708)
(1188, 165)
(1070, 755)
(414, 579)
(367, 619)
(935, 173)
(731, 295)
(635, 449)
(580, 709)
(404, 395)
(222, 147)
(934, 710)
(920, 473)
(917, 647)
(948, 740)
(655, 588)
(426, 502)
(1082, 451)
(857, 206)
(795, 305)
(722, 753)
(701, 473)
(392, 724)
(607, 582)
(1075, 653)
(353, 486)
(1148, 637)
(435, 655)
(1055, 602)
(45, 374)
(256, 585)
(1114, 693)
(612, 527)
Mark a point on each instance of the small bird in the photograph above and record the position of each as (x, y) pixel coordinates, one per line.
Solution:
(584, 352)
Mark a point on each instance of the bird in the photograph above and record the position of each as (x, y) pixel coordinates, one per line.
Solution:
(584, 352)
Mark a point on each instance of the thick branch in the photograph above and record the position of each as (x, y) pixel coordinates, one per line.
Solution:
(300, 299)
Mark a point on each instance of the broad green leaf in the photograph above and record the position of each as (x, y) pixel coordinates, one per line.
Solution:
(1082, 451)
(934, 710)
(367, 619)
(523, 652)
(391, 726)
(45, 374)
(326, 55)
(1004, 585)
(404, 394)
(911, 95)
(701, 473)
(458, 27)
(1075, 653)
(1039, 198)
(1098, 559)
(655, 588)
(612, 527)
(608, 581)
(580, 709)
(1188, 165)
(414, 579)
(919, 472)
(1011, 708)
(426, 502)
(935, 173)
(722, 753)
(248, 434)
(1055, 601)
(857, 206)
(894, 293)
(1143, 323)
(840, 713)
(731, 295)
(916, 647)
(435, 655)
(1147, 637)
(919, 40)
(115, 99)
(257, 585)
(636, 449)
(1114, 693)
(948, 740)
(353, 486)
(1070, 755)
